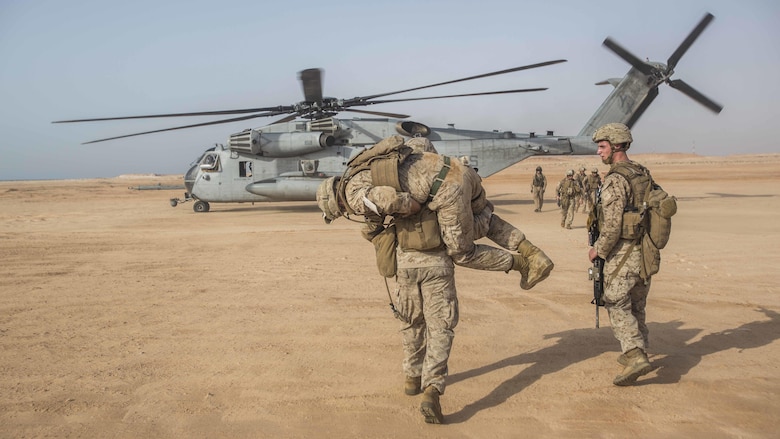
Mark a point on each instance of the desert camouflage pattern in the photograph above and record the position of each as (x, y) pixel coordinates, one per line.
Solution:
(428, 303)
(625, 297)
(625, 293)
(592, 183)
(568, 190)
(462, 209)
(614, 133)
(327, 201)
(580, 177)
(420, 144)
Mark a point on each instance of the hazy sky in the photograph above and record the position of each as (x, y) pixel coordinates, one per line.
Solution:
(79, 59)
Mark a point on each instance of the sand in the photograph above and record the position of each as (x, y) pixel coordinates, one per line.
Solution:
(122, 317)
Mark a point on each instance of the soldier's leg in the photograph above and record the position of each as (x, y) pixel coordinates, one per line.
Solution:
(440, 308)
(409, 303)
(625, 326)
(638, 302)
(570, 214)
(456, 219)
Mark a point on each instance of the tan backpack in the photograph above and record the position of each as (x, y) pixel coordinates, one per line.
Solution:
(649, 218)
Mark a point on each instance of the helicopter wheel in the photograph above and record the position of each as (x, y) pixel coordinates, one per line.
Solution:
(200, 206)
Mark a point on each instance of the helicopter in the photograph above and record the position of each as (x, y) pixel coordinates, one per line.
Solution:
(289, 158)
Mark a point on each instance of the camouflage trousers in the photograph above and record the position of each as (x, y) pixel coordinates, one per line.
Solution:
(465, 216)
(588, 201)
(567, 211)
(538, 194)
(427, 300)
(625, 297)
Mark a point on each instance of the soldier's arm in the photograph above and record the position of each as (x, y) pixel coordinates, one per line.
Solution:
(389, 202)
(613, 201)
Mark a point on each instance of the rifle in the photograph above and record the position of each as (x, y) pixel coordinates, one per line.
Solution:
(596, 273)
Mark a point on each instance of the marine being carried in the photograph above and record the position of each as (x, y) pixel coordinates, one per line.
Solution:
(425, 182)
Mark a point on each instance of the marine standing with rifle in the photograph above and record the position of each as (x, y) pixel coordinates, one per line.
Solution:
(625, 292)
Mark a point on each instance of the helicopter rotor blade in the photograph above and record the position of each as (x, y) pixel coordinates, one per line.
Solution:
(686, 44)
(214, 122)
(525, 90)
(278, 108)
(628, 56)
(378, 113)
(311, 79)
(484, 75)
(694, 94)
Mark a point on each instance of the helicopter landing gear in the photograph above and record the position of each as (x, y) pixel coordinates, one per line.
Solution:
(200, 206)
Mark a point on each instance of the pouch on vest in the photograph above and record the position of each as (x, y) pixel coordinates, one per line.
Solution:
(632, 225)
(384, 245)
(651, 258)
(419, 232)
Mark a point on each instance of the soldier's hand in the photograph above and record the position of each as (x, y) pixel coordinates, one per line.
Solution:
(415, 207)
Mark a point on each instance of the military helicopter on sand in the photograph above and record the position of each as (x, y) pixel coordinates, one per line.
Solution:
(288, 159)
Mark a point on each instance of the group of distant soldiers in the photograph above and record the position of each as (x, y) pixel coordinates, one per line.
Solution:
(576, 191)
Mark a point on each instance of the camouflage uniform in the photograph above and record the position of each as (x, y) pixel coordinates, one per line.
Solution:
(568, 190)
(428, 304)
(538, 186)
(625, 293)
(580, 177)
(592, 183)
(463, 211)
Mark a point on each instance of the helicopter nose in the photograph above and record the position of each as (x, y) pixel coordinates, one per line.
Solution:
(189, 178)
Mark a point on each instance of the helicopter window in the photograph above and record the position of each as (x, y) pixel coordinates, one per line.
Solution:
(210, 162)
(245, 169)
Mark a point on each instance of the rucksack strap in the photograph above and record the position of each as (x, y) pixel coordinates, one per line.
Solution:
(439, 178)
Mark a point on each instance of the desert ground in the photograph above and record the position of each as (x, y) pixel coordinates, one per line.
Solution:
(122, 317)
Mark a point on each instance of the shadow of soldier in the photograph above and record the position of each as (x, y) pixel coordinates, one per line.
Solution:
(572, 346)
(677, 356)
(680, 357)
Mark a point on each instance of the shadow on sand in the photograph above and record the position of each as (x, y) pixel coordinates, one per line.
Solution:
(675, 356)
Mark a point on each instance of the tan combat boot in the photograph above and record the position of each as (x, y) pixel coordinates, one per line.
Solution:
(637, 365)
(412, 386)
(534, 266)
(430, 407)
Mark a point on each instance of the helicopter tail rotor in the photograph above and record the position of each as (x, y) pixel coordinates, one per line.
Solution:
(659, 73)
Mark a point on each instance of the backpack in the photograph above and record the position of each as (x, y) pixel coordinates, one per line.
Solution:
(649, 217)
(418, 232)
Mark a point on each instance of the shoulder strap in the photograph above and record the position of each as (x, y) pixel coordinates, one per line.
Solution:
(439, 178)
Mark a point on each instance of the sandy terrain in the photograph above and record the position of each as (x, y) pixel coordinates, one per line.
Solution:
(122, 317)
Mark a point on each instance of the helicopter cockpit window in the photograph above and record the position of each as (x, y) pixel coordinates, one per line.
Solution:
(210, 162)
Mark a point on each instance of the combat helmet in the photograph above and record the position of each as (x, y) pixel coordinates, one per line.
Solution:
(538, 169)
(327, 200)
(570, 173)
(614, 133)
(595, 170)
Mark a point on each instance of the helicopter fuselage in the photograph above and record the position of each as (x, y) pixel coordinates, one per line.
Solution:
(288, 161)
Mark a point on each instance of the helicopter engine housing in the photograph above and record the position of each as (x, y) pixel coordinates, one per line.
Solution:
(279, 144)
